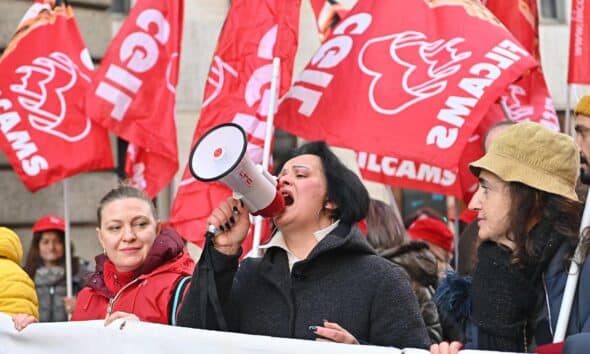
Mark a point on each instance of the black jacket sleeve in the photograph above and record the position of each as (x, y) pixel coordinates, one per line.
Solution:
(395, 316)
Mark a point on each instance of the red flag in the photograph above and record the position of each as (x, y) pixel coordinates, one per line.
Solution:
(134, 91)
(392, 170)
(527, 99)
(45, 72)
(238, 90)
(414, 89)
(579, 57)
(389, 169)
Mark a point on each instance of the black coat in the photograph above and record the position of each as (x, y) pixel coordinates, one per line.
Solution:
(342, 281)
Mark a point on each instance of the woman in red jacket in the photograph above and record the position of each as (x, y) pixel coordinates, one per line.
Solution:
(143, 270)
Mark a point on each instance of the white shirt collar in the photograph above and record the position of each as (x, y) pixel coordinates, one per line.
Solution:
(278, 240)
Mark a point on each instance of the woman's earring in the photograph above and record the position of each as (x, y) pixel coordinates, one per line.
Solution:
(104, 251)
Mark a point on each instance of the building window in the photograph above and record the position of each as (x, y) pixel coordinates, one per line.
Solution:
(121, 6)
(552, 10)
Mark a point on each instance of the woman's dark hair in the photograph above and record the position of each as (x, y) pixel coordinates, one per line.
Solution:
(345, 188)
(121, 192)
(34, 260)
(531, 205)
(385, 229)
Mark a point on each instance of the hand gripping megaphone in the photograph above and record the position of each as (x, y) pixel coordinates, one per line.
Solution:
(220, 155)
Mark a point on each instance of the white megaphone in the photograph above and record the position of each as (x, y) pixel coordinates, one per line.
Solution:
(220, 155)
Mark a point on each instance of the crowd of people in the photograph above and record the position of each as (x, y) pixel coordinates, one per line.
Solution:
(321, 278)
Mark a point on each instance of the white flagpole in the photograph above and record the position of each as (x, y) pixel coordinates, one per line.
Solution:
(569, 293)
(568, 116)
(274, 89)
(68, 249)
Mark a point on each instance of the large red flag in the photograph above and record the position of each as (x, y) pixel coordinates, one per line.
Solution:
(415, 88)
(45, 72)
(134, 91)
(238, 90)
(527, 99)
(579, 56)
(392, 170)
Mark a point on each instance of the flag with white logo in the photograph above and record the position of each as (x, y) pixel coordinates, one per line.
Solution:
(46, 70)
(414, 89)
(134, 91)
(238, 91)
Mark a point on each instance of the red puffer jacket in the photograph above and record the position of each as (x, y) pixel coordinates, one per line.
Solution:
(149, 294)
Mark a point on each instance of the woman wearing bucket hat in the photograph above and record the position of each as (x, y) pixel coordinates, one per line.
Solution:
(529, 215)
(46, 266)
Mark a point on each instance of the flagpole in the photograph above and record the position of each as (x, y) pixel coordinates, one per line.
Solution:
(67, 245)
(569, 293)
(568, 117)
(453, 208)
(276, 65)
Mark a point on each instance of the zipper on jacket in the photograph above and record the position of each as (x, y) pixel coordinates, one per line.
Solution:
(114, 298)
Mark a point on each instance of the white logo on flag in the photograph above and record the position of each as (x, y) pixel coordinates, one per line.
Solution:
(518, 111)
(41, 92)
(422, 68)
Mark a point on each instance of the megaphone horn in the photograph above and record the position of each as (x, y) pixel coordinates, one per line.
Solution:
(220, 155)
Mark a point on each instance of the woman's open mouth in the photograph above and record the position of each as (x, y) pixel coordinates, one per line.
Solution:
(288, 198)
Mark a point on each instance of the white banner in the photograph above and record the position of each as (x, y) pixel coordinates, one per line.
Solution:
(92, 337)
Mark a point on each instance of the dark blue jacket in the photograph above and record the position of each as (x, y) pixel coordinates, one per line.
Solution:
(554, 280)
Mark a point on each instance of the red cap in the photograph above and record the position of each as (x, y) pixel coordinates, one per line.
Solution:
(433, 231)
(49, 222)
